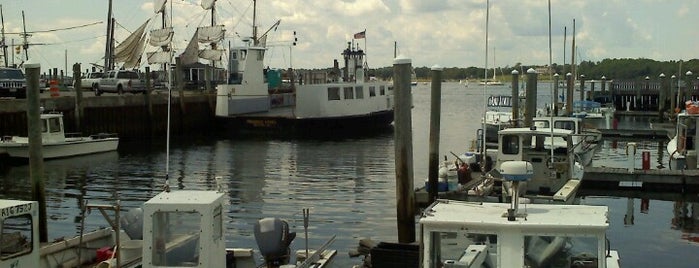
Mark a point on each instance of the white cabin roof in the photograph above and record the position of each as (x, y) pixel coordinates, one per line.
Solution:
(9, 208)
(538, 131)
(185, 197)
(449, 214)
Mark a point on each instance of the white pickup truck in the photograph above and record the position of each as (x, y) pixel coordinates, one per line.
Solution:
(121, 81)
(91, 80)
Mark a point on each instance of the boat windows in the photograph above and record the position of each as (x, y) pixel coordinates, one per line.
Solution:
(333, 93)
(382, 90)
(359, 92)
(55, 125)
(510, 144)
(349, 93)
(462, 249)
(569, 125)
(260, 55)
(560, 251)
(372, 91)
(176, 237)
(16, 236)
(218, 223)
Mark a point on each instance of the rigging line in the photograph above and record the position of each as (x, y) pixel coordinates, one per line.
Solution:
(58, 29)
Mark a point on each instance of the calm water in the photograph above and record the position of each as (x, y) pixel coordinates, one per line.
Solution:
(349, 185)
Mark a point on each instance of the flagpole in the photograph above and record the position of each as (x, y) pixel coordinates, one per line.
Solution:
(365, 50)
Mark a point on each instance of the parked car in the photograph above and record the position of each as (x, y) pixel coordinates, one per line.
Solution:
(12, 83)
(121, 81)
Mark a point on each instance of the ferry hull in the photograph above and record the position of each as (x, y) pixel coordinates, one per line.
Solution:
(344, 126)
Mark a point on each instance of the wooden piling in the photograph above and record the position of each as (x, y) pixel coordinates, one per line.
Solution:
(673, 97)
(515, 97)
(405, 196)
(36, 157)
(148, 103)
(79, 111)
(582, 87)
(662, 98)
(530, 107)
(435, 113)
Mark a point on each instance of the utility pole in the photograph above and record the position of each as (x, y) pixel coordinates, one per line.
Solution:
(25, 46)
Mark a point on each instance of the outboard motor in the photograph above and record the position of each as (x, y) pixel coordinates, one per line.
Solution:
(132, 223)
(273, 239)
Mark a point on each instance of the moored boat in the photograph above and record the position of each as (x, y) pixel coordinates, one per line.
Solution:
(56, 143)
(335, 105)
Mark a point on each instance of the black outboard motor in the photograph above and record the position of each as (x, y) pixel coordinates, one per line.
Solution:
(273, 239)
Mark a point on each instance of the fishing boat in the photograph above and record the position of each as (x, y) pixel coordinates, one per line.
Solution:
(468, 234)
(56, 143)
(585, 139)
(682, 147)
(331, 105)
(498, 116)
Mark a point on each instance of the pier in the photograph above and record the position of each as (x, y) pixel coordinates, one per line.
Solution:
(651, 179)
(131, 116)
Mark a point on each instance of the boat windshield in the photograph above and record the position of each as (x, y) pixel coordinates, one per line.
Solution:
(176, 238)
(16, 236)
(471, 249)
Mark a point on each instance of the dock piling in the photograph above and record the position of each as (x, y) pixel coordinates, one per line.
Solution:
(515, 97)
(405, 195)
(530, 107)
(79, 112)
(435, 113)
(36, 157)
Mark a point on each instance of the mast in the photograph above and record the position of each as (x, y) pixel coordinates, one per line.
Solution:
(485, 86)
(108, 43)
(2, 41)
(572, 58)
(254, 22)
(25, 45)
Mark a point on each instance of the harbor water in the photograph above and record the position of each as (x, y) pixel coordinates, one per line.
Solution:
(348, 184)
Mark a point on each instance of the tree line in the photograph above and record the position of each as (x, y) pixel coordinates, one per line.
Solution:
(621, 69)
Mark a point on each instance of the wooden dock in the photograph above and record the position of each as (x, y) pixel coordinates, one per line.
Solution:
(658, 179)
(630, 134)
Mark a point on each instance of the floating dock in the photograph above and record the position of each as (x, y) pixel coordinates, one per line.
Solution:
(651, 179)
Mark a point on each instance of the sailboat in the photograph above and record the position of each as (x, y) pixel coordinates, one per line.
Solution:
(494, 81)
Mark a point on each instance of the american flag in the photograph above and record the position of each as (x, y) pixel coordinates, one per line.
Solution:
(360, 35)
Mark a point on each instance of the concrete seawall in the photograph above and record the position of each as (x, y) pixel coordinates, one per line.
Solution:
(127, 115)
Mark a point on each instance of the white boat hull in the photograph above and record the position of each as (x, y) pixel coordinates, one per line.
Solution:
(71, 147)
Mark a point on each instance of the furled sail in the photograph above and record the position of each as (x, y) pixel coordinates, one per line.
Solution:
(161, 37)
(159, 6)
(211, 54)
(159, 57)
(130, 50)
(210, 34)
(207, 4)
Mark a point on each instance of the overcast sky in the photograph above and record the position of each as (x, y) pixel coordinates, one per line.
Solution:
(450, 33)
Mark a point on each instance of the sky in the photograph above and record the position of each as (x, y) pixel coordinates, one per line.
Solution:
(447, 33)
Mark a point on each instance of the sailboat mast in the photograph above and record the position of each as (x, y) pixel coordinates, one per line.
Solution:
(485, 85)
(572, 57)
(254, 22)
(108, 43)
(4, 45)
(25, 45)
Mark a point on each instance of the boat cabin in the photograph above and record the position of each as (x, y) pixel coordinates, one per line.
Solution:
(465, 234)
(184, 229)
(537, 146)
(683, 146)
(19, 233)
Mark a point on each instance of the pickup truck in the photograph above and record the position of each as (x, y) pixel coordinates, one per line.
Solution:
(121, 81)
(91, 80)
(12, 83)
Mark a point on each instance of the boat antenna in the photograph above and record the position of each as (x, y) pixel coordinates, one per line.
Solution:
(485, 86)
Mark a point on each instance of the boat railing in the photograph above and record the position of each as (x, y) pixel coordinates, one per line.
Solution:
(104, 135)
